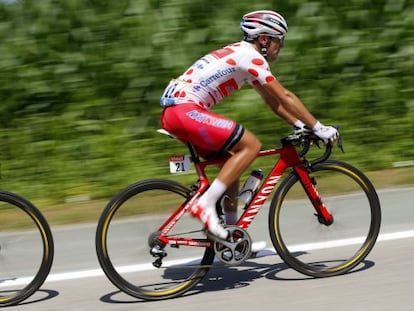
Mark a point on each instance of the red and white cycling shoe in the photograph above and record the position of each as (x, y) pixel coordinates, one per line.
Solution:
(208, 216)
(258, 246)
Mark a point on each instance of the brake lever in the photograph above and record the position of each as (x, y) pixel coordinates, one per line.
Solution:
(340, 145)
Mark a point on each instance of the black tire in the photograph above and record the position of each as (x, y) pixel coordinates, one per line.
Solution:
(320, 250)
(119, 248)
(24, 267)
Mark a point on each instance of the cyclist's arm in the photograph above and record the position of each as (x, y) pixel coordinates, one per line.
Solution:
(276, 107)
(285, 104)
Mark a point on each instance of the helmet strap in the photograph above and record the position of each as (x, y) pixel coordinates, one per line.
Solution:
(263, 49)
(263, 44)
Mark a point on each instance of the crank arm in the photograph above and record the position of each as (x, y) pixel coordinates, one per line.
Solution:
(221, 241)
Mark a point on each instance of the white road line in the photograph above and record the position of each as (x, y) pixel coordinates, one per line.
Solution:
(352, 241)
(75, 275)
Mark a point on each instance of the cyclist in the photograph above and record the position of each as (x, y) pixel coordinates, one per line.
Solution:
(187, 101)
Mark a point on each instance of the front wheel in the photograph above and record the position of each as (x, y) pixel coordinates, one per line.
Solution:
(26, 249)
(124, 239)
(312, 247)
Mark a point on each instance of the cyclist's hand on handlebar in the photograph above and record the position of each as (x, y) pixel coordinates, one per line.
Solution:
(327, 133)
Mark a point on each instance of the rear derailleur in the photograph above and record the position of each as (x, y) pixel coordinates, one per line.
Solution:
(156, 249)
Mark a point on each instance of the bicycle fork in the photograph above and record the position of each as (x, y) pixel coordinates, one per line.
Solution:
(309, 185)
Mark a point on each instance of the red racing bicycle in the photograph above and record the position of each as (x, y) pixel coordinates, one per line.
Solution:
(324, 219)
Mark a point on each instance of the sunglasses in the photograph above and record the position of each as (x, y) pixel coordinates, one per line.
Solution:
(281, 39)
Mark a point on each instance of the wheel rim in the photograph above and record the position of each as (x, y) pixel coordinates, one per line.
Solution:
(319, 250)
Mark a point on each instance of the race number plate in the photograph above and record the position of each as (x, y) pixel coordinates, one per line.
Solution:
(180, 164)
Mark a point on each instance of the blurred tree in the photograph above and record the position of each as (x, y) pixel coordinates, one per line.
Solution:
(80, 83)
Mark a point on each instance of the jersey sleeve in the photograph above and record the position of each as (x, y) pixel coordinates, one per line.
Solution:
(257, 69)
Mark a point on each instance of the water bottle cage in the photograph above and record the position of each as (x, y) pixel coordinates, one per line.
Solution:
(249, 193)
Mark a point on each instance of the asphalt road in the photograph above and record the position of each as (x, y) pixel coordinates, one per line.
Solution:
(385, 281)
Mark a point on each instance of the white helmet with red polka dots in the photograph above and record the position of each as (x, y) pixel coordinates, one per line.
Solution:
(263, 22)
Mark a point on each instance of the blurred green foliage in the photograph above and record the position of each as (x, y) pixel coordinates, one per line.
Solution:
(80, 84)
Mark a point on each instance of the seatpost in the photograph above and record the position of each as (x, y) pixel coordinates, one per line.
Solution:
(194, 155)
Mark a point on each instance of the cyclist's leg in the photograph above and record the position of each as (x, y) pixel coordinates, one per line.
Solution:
(242, 154)
(213, 136)
(230, 209)
(227, 181)
(229, 203)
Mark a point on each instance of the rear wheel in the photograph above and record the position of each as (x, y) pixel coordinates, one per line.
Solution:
(318, 249)
(124, 240)
(26, 249)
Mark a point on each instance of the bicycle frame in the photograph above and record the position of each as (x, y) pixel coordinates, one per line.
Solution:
(288, 157)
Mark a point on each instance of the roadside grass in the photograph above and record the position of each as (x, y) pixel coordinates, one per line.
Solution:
(90, 211)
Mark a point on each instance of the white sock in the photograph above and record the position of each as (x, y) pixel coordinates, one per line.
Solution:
(210, 197)
(231, 217)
